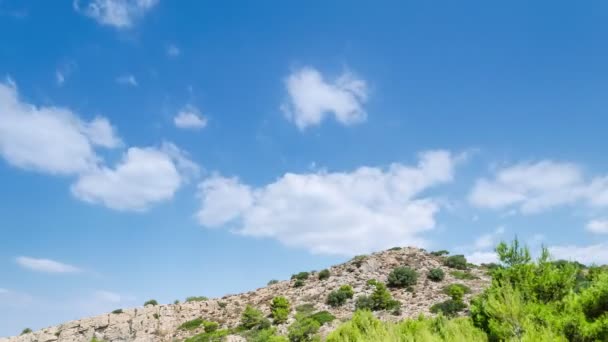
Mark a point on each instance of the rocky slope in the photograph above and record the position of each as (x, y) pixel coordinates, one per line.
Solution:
(160, 323)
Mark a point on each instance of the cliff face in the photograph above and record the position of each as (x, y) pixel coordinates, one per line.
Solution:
(161, 323)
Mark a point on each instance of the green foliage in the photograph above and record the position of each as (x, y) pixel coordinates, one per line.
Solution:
(26, 331)
(191, 325)
(463, 275)
(340, 296)
(279, 309)
(305, 309)
(364, 327)
(436, 274)
(151, 302)
(324, 274)
(514, 254)
(358, 260)
(449, 307)
(265, 335)
(117, 311)
(395, 249)
(402, 277)
(440, 253)
(196, 299)
(380, 299)
(222, 304)
(298, 283)
(300, 276)
(176, 301)
(323, 317)
(252, 318)
(456, 287)
(272, 282)
(215, 336)
(95, 339)
(456, 261)
(303, 329)
(210, 326)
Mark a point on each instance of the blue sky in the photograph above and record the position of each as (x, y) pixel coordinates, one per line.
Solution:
(156, 149)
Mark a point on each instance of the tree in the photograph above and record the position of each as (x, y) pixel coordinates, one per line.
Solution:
(279, 309)
(402, 277)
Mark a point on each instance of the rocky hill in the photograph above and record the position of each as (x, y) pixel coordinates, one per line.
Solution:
(162, 322)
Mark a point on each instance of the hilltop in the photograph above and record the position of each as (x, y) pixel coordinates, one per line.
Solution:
(309, 290)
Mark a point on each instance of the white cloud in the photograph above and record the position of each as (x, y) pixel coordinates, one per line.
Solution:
(480, 257)
(46, 265)
(144, 176)
(49, 139)
(190, 117)
(311, 98)
(333, 213)
(597, 253)
(127, 80)
(120, 14)
(173, 51)
(598, 226)
(489, 240)
(536, 187)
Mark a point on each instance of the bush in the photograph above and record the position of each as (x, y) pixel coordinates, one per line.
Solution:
(252, 318)
(215, 336)
(176, 301)
(117, 311)
(456, 287)
(340, 296)
(463, 275)
(222, 304)
(395, 249)
(26, 331)
(300, 276)
(298, 283)
(196, 299)
(210, 326)
(324, 274)
(305, 309)
(303, 329)
(272, 282)
(323, 317)
(456, 261)
(402, 277)
(151, 302)
(440, 253)
(380, 299)
(279, 309)
(191, 325)
(436, 274)
(265, 335)
(358, 260)
(449, 308)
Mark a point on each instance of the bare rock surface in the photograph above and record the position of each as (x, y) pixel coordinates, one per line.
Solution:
(161, 323)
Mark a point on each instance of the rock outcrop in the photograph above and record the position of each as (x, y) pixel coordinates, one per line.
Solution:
(160, 323)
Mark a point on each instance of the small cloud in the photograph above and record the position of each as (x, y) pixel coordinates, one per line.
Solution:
(127, 80)
(63, 72)
(312, 98)
(479, 258)
(46, 265)
(120, 14)
(190, 117)
(598, 226)
(59, 77)
(173, 51)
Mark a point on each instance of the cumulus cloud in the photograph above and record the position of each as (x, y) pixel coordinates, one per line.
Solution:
(46, 265)
(480, 257)
(120, 14)
(343, 213)
(536, 187)
(591, 254)
(143, 177)
(312, 98)
(190, 117)
(489, 240)
(127, 80)
(49, 139)
(598, 226)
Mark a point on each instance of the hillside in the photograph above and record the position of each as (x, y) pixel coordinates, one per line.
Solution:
(162, 322)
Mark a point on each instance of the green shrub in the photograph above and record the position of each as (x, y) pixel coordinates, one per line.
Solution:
(117, 311)
(298, 283)
(265, 335)
(303, 330)
(210, 326)
(252, 318)
(279, 309)
(176, 301)
(300, 276)
(222, 304)
(463, 275)
(323, 317)
(305, 309)
(436, 274)
(358, 260)
(440, 253)
(151, 302)
(324, 274)
(191, 325)
(456, 287)
(395, 249)
(380, 299)
(26, 331)
(456, 261)
(215, 336)
(196, 299)
(272, 282)
(402, 277)
(340, 296)
(449, 308)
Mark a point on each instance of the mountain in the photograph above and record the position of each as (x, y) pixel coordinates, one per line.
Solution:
(177, 322)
